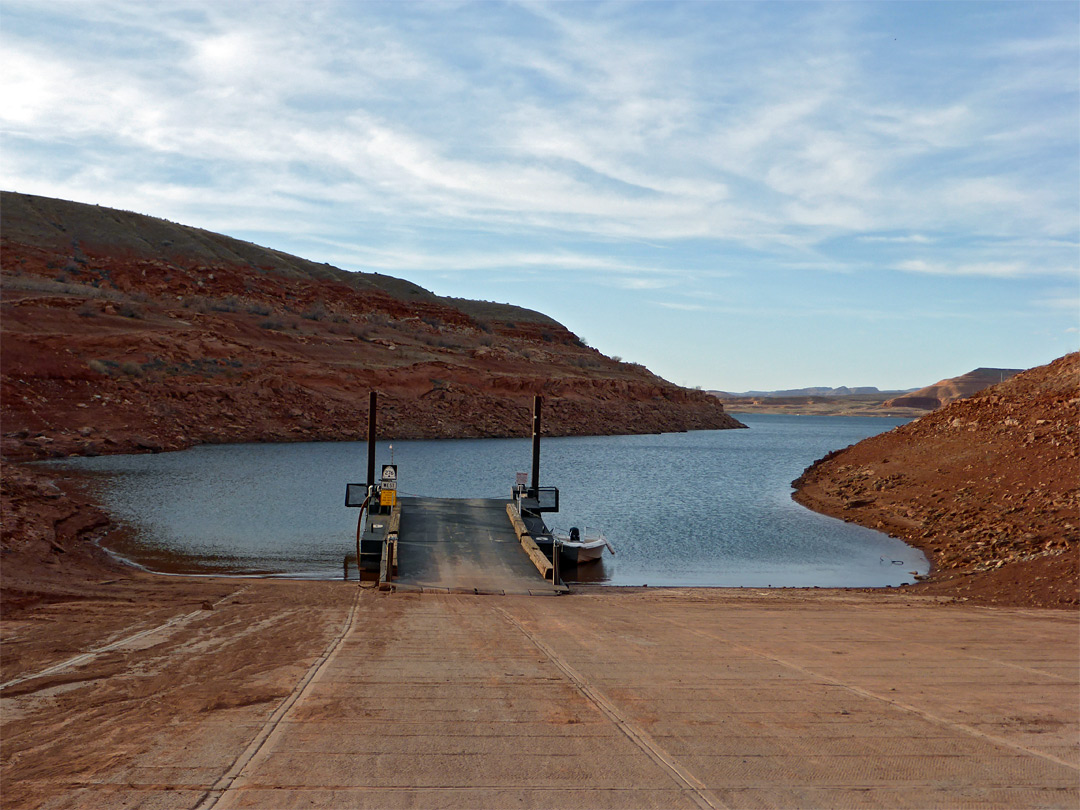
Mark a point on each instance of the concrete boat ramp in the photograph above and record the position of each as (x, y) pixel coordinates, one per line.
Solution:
(291, 694)
(464, 546)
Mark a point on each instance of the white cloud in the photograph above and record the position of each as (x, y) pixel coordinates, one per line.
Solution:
(625, 143)
(983, 192)
(1062, 300)
(643, 283)
(664, 146)
(1063, 44)
(914, 238)
(1015, 269)
(684, 307)
(627, 274)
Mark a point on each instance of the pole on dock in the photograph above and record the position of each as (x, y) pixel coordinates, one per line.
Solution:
(372, 401)
(537, 402)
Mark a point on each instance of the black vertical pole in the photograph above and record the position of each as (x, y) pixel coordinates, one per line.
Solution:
(536, 446)
(372, 400)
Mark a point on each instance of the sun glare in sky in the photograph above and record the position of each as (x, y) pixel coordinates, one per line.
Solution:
(738, 195)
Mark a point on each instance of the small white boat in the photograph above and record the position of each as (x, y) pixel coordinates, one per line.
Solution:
(578, 546)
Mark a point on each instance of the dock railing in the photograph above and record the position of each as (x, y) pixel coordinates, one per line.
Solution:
(536, 499)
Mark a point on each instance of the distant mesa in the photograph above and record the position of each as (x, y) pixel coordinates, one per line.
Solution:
(944, 392)
(864, 400)
(842, 391)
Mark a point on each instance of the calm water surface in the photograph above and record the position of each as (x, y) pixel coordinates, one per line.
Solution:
(699, 508)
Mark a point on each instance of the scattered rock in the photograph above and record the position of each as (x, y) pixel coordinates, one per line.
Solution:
(1027, 553)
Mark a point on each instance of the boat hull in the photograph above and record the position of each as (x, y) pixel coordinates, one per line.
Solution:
(574, 553)
(584, 553)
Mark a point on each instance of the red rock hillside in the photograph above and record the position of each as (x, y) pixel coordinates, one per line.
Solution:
(986, 486)
(124, 333)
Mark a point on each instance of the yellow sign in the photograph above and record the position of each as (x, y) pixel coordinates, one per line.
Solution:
(387, 497)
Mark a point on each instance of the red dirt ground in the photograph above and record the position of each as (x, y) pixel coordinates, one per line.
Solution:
(986, 487)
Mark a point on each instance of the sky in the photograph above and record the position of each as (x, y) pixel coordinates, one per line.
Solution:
(740, 196)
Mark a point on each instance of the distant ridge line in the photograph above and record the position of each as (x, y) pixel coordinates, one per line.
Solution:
(842, 391)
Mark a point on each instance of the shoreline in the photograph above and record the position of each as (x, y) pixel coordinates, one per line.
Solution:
(982, 487)
(985, 487)
(765, 410)
(129, 543)
(54, 568)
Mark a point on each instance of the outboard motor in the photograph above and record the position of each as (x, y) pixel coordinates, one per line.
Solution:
(575, 535)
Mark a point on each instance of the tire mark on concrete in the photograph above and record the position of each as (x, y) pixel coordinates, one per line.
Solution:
(692, 787)
(90, 655)
(224, 784)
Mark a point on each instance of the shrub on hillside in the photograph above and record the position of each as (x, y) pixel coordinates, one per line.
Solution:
(130, 310)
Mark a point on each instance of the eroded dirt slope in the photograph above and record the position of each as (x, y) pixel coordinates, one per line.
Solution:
(47, 551)
(124, 333)
(986, 486)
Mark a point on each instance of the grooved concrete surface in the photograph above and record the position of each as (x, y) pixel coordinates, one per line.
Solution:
(321, 695)
(668, 702)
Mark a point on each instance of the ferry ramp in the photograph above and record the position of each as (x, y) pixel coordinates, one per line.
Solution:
(464, 546)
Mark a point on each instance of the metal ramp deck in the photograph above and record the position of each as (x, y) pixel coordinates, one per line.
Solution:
(464, 545)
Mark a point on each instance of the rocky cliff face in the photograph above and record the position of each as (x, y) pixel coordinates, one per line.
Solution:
(986, 486)
(126, 333)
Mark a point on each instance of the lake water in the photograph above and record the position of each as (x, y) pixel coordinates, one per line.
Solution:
(698, 508)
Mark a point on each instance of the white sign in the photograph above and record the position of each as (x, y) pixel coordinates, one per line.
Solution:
(389, 472)
(388, 485)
